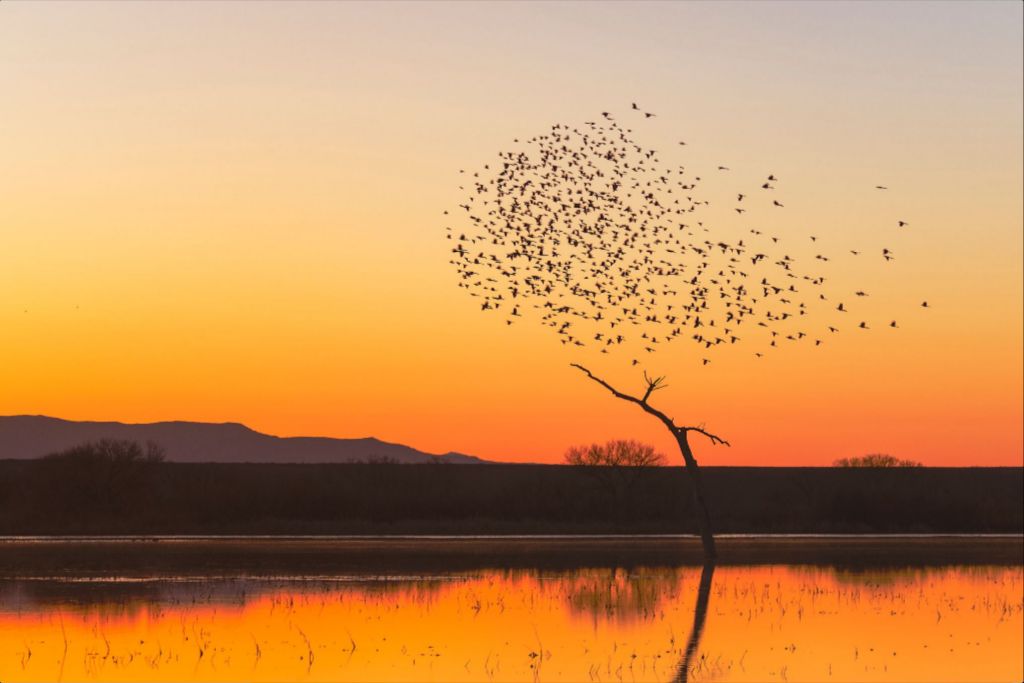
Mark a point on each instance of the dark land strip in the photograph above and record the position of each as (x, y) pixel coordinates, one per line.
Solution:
(67, 498)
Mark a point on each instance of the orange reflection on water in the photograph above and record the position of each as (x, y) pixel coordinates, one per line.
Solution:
(763, 623)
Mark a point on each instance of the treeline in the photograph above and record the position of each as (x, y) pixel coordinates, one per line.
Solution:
(148, 496)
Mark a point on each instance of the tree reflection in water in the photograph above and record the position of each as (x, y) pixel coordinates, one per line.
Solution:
(700, 613)
(798, 622)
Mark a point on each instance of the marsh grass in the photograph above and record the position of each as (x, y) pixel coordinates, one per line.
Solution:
(767, 622)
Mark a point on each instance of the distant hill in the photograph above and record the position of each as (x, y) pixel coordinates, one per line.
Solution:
(32, 436)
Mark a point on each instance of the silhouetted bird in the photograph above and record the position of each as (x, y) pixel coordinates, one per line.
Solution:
(608, 243)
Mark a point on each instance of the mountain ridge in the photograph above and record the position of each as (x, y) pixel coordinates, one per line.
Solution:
(25, 437)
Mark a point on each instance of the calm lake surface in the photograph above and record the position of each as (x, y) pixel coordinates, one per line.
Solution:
(510, 610)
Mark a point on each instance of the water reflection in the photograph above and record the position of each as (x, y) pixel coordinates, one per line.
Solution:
(700, 614)
(643, 624)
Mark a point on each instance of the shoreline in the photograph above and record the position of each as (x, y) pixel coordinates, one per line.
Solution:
(241, 557)
(146, 538)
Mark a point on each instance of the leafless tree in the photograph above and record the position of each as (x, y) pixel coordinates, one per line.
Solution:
(875, 460)
(617, 464)
(615, 453)
(613, 247)
(681, 435)
(109, 475)
(115, 451)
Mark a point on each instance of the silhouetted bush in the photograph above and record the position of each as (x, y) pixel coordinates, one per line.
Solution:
(102, 480)
(615, 453)
(617, 466)
(876, 460)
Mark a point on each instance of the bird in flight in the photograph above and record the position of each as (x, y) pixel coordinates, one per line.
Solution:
(610, 245)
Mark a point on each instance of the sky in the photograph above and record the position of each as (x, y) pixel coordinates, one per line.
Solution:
(233, 212)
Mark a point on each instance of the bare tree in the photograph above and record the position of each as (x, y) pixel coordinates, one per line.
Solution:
(617, 465)
(615, 453)
(876, 460)
(114, 451)
(680, 433)
(108, 476)
(611, 247)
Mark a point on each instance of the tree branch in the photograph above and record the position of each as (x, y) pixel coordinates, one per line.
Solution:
(642, 402)
(653, 384)
(714, 439)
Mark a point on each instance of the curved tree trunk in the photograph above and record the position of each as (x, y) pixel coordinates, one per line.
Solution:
(680, 434)
(700, 503)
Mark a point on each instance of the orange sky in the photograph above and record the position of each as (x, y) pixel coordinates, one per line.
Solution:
(226, 213)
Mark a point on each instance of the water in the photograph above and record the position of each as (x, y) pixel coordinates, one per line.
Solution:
(904, 621)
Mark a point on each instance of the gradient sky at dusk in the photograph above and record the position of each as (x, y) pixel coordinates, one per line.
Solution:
(233, 212)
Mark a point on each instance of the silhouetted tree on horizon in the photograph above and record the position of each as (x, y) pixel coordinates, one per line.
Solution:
(617, 464)
(876, 460)
(615, 453)
(111, 451)
(109, 476)
(680, 434)
(614, 249)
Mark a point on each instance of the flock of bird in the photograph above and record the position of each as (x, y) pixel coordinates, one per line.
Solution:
(609, 246)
